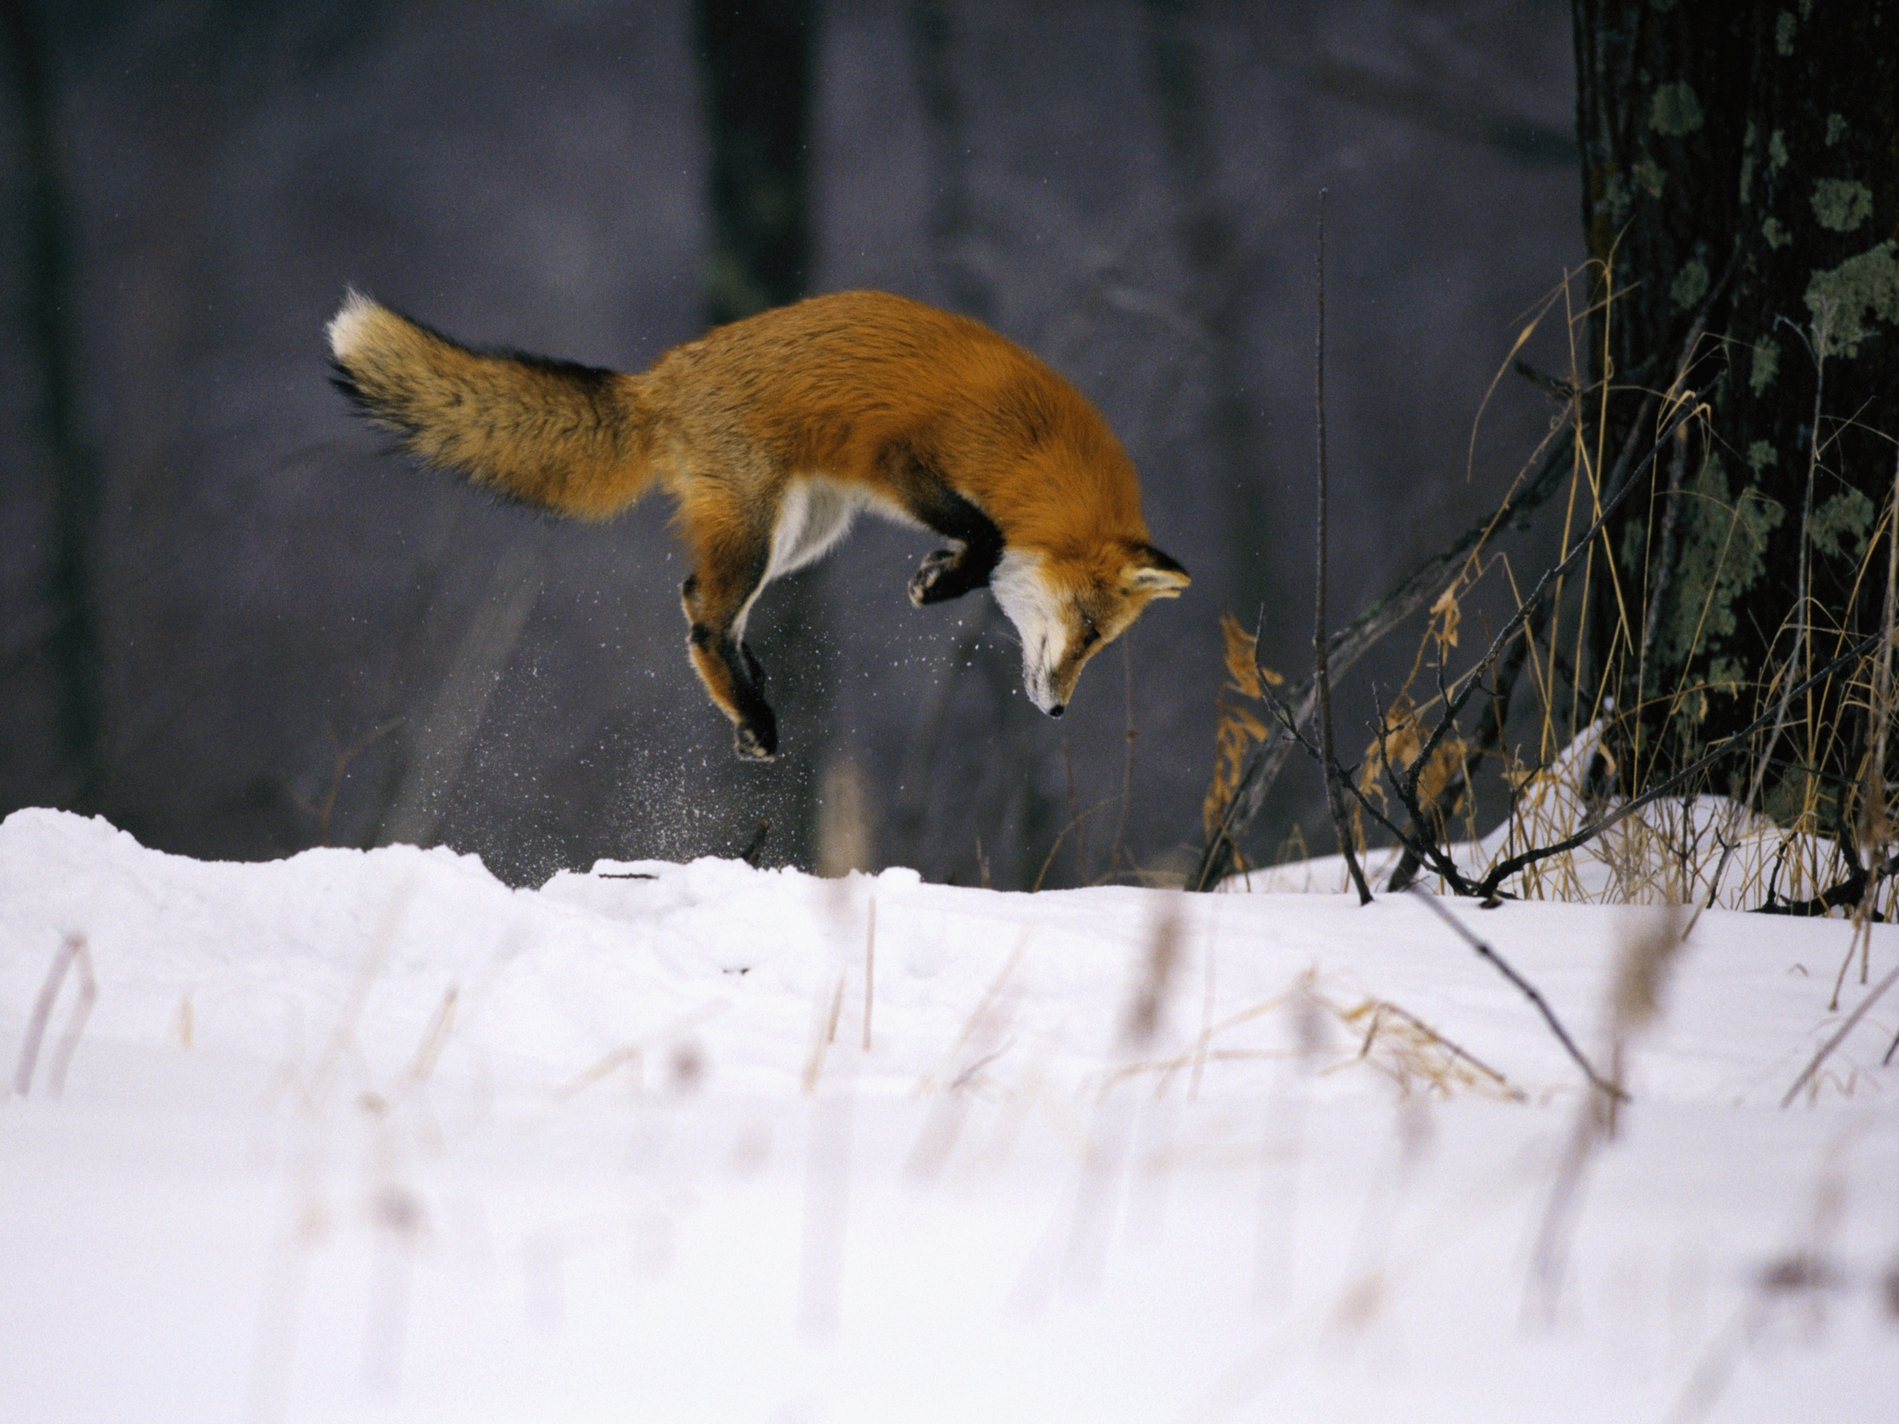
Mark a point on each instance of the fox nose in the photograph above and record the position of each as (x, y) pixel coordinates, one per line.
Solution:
(1056, 710)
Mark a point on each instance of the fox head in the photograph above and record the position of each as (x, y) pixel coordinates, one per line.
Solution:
(1069, 606)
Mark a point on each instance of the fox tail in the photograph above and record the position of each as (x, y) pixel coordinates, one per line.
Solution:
(559, 436)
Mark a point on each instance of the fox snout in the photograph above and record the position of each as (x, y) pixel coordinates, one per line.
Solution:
(1067, 615)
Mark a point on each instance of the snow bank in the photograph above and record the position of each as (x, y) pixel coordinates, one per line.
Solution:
(369, 1134)
(1663, 853)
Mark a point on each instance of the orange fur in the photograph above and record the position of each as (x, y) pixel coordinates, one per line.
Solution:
(770, 433)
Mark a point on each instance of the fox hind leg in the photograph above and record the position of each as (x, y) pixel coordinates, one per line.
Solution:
(716, 598)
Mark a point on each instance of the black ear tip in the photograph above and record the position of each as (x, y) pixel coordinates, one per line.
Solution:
(1163, 562)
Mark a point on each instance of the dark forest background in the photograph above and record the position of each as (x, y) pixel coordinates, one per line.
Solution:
(234, 624)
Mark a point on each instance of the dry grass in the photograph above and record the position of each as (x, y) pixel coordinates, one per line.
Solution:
(1531, 747)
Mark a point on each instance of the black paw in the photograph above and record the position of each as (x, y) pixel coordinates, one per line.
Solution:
(756, 740)
(936, 580)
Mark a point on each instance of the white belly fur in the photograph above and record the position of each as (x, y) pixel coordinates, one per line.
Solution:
(816, 512)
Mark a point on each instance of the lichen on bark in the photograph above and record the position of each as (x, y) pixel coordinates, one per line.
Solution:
(1841, 204)
(1675, 110)
(1780, 204)
(1851, 296)
(1766, 365)
(1840, 526)
(1690, 285)
(1722, 553)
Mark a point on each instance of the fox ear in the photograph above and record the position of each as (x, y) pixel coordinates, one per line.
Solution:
(1151, 572)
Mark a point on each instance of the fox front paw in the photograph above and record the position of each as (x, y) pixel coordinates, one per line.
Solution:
(938, 579)
(756, 740)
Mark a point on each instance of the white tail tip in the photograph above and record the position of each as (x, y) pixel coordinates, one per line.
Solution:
(346, 327)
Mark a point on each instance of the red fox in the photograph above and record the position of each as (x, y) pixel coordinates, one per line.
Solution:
(771, 433)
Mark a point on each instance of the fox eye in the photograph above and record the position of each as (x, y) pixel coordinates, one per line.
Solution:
(1090, 635)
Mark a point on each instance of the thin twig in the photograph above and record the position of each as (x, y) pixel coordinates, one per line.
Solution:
(1552, 575)
(1852, 1021)
(1875, 812)
(1441, 863)
(83, 1000)
(1380, 1007)
(429, 1051)
(870, 966)
(1068, 781)
(72, 952)
(1329, 763)
(1062, 835)
(1855, 891)
(1822, 324)
(980, 1020)
(1127, 763)
(1206, 1006)
(1664, 566)
(634, 1051)
(1621, 483)
(1490, 729)
(1249, 794)
(341, 758)
(823, 1034)
(1596, 1080)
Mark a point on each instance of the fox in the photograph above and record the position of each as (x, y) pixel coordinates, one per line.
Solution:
(771, 434)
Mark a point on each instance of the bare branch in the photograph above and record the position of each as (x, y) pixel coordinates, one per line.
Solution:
(1350, 643)
(71, 952)
(1441, 862)
(1505, 869)
(1852, 1022)
(1472, 679)
(1529, 990)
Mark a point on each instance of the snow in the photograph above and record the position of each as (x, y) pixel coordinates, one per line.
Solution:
(1664, 851)
(370, 1135)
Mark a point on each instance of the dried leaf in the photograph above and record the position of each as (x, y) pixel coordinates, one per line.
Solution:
(1642, 970)
(1236, 728)
(1242, 656)
(1445, 616)
(1446, 765)
(1254, 728)
(1400, 744)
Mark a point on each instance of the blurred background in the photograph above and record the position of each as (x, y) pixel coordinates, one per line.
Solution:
(236, 625)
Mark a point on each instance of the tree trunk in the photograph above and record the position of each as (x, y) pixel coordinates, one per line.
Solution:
(756, 60)
(1741, 172)
(73, 644)
(1208, 241)
(983, 735)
